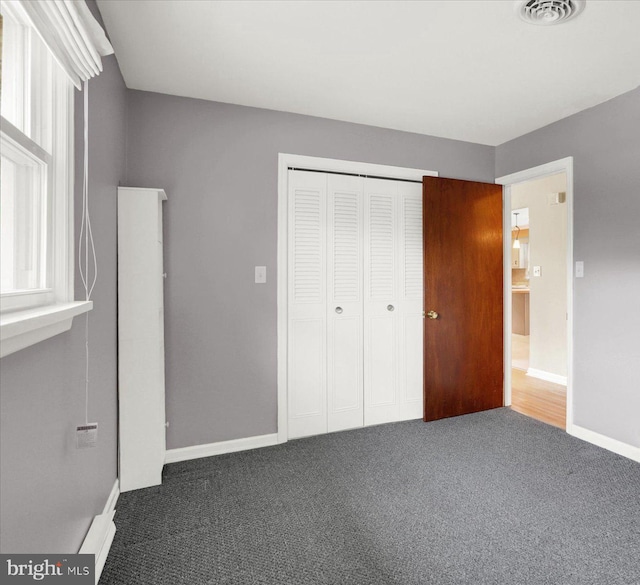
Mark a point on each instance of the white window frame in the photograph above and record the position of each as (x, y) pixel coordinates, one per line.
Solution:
(24, 147)
(32, 316)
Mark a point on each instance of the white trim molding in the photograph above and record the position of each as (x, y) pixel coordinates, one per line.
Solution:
(24, 328)
(624, 449)
(551, 168)
(112, 500)
(547, 376)
(564, 165)
(210, 449)
(101, 532)
(507, 299)
(286, 161)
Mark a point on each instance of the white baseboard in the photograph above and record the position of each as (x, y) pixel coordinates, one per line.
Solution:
(197, 451)
(101, 532)
(605, 442)
(548, 376)
(110, 506)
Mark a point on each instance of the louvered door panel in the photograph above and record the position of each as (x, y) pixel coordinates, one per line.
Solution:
(410, 302)
(411, 227)
(380, 299)
(307, 247)
(381, 243)
(344, 305)
(345, 243)
(307, 328)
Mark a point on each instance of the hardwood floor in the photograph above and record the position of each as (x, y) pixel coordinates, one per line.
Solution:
(538, 399)
(520, 351)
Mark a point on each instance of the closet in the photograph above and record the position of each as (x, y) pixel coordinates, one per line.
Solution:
(354, 301)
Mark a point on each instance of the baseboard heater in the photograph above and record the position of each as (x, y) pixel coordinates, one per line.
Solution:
(98, 540)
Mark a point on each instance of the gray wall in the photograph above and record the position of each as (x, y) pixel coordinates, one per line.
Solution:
(605, 144)
(49, 490)
(218, 164)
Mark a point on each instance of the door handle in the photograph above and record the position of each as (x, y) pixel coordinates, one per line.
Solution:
(390, 308)
(432, 315)
(338, 310)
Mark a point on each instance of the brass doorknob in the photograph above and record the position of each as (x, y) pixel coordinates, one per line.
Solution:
(432, 315)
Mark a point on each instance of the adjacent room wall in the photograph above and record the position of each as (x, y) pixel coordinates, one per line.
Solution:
(50, 491)
(605, 144)
(548, 292)
(218, 164)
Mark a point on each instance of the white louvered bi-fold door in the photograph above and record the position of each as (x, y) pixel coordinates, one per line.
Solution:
(344, 302)
(381, 334)
(393, 356)
(307, 311)
(355, 302)
(410, 302)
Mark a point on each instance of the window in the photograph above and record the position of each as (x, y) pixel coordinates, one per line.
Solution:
(36, 154)
(36, 201)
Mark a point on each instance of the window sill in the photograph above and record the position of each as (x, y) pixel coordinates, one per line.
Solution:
(24, 328)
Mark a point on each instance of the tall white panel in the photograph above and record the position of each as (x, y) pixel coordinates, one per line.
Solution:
(141, 394)
(307, 327)
(381, 272)
(410, 301)
(345, 302)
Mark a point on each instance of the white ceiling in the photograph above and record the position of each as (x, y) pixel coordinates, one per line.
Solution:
(464, 69)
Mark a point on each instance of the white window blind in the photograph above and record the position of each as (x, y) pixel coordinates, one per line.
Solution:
(69, 30)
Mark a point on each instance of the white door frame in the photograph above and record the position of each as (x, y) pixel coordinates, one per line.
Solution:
(286, 161)
(564, 165)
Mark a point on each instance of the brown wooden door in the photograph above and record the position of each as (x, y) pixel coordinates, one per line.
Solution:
(463, 346)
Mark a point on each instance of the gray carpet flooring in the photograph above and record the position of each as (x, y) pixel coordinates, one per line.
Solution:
(488, 498)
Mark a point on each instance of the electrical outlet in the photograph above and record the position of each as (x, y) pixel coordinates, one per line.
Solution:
(537, 270)
(87, 436)
(579, 269)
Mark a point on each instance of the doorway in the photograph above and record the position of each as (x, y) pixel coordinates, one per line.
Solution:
(538, 292)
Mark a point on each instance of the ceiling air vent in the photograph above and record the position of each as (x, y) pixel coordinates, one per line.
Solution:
(548, 12)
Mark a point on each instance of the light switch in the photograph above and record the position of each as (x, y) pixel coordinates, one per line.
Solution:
(537, 270)
(261, 274)
(579, 269)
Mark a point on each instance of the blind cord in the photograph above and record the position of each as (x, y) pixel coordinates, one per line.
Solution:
(86, 238)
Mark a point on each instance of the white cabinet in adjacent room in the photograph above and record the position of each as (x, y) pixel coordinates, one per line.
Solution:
(141, 395)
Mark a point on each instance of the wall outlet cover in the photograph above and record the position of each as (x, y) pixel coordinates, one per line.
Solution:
(537, 270)
(261, 274)
(579, 269)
